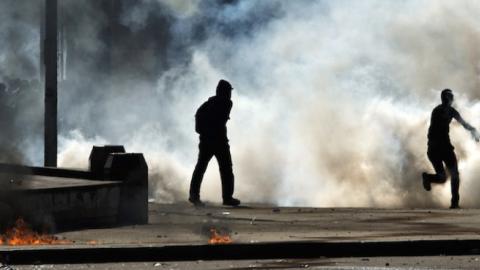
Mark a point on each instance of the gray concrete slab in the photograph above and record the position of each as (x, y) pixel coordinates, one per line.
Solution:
(25, 182)
(50, 203)
(180, 231)
(183, 224)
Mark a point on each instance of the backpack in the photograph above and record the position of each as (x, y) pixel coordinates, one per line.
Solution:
(202, 117)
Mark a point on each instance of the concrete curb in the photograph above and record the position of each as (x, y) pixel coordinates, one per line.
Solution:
(277, 250)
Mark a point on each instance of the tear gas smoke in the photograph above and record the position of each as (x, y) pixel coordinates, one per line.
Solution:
(331, 102)
(20, 91)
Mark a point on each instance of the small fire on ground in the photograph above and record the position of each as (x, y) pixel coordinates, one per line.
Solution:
(216, 238)
(22, 234)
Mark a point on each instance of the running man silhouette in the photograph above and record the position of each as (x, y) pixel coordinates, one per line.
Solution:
(211, 123)
(440, 149)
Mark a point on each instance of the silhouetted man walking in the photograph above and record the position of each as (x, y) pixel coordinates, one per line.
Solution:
(440, 149)
(211, 123)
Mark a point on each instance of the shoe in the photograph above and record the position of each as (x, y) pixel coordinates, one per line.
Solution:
(196, 202)
(426, 184)
(454, 206)
(231, 201)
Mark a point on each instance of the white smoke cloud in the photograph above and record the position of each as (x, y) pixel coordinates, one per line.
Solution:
(75, 150)
(331, 103)
(333, 110)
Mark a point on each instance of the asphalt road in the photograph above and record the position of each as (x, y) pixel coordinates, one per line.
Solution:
(377, 263)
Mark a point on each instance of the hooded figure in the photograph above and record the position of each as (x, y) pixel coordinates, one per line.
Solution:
(211, 124)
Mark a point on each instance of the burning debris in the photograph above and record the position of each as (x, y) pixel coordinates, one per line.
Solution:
(22, 234)
(217, 238)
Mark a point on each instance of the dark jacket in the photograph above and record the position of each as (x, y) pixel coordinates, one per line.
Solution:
(215, 116)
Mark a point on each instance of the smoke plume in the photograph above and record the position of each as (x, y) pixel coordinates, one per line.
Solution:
(20, 90)
(332, 99)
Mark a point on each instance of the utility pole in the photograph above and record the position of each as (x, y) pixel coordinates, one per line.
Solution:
(50, 61)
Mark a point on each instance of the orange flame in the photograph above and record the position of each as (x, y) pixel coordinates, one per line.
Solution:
(21, 234)
(216, 238)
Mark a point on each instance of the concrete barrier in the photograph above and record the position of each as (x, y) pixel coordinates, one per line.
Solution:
(59, 198)
(132, 170)
(98, 158)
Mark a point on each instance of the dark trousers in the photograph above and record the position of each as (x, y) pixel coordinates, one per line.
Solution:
(221, 151)
(437, 157)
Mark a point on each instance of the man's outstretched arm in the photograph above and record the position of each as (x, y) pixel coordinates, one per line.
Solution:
(467, 126)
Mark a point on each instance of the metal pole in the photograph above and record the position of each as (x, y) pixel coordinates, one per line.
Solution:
(50, 56)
